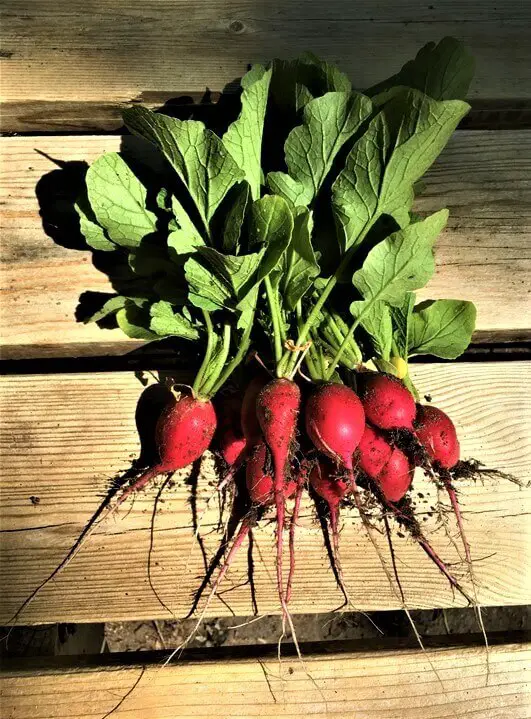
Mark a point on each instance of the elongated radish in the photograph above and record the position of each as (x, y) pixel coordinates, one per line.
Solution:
(183, 433)
(388, 404)
(300, 484)
(259, 478)
(332, 489)
(277, 409)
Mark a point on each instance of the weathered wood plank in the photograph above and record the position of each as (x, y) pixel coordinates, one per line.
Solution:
(376, 685)
(484, 255)
(126, 50)
(66, 436)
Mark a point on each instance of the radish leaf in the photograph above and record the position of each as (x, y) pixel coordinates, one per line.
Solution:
(134, 321)
(400, 144)
(442, 328)
(165, 322)
(442, 71)
(401, 315)
(93, 233)
(328, 122)
(198, 156)
(401, 263)
(243, 138)
(118, 200)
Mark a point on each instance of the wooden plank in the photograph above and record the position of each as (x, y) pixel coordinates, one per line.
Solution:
(375, 685)
(66, 436)
(124, 50)
(484, 255)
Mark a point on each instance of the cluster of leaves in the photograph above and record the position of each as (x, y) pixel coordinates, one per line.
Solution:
(297, 222)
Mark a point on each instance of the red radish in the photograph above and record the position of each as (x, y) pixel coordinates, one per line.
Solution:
(395, 478)
(230, 438)
(183, 433)
(259, 480)
(277, 409)
(335, 422)
(332, 489)
(388, 404)
(436, 432)
(374, 452)
(250, 426)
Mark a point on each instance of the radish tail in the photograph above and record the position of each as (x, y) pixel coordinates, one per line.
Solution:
(244, 530)
(334, 531)
(466, 546)
(292, 529)
(105, 510)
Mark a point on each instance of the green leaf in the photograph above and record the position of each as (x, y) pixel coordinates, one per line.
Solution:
(328, 122)
(300, 267)
(401, 263)
(331, 78)
(92, 232)
(165, 322)
(376, 321)
(296, 82)
(401, 316)
(442, 328)
(400, 144)
(118, 200)
(185, 239)
(110, 307)
(238, 272)
(134, 321)
(243, 138)
(271, 227)
(442, 71)
(198, 156)
(206, 290)
(234, 219)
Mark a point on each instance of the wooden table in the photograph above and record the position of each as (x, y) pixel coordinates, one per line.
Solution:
(69, 393)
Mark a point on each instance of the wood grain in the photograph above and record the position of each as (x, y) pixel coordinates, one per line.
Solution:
(373, 685)
(484, 255)
(116, 51)
(66, 436)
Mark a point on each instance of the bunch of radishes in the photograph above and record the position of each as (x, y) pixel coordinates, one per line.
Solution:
(291, 237)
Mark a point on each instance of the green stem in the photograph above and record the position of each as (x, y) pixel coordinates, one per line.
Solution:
(238, 357)
(219, 364)
(211, 339)
(275, 318)
(346, 341)
(332, 282)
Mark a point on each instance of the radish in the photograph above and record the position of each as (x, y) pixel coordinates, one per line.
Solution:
(335, 422)
(332, 489)
(388, 404)
(183, 433)
(252, 434)
(277, 409)
(436, 432)
(259, 480)
(374, 452)
(231, 441)
(390, 470)
(395, 478)
(388, 466)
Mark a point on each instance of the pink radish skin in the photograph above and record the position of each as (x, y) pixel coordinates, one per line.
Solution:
(374, 452)
(231, 446)
(388, 404)
(277, 409)
(335, 422)
(436, 432)
(183, 433)
(395, 478)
